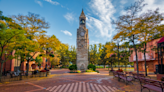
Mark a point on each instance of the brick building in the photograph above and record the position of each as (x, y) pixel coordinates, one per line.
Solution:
(151, 57)
(14, 64)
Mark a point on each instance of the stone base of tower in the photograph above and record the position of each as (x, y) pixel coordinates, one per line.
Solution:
(82, 65)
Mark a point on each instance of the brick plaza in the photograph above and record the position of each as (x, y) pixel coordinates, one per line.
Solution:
(62, 81)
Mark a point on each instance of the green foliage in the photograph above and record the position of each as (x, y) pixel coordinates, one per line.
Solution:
(89, 70)
(97, 71)
(92, 67)
(93, 54)
(51, 55)
(78, 71)
(73, 67)
(39, 60)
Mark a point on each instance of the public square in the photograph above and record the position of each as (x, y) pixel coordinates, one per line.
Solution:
(62, 81)
(81, 46)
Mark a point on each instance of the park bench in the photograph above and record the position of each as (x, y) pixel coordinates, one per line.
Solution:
(151, 84)
(137, 76)
(35, 73)
(115, 74)
(124, 77)
(13, 74)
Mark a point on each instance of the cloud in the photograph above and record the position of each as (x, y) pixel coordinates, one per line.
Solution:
(153, 4)
(39, 2)
(123, 1)
(52, 2)
(69, 17)
(101, 24)
(95, 42)
(66, 32)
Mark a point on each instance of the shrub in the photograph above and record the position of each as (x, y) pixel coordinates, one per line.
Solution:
(73, 67)
(97, 71)
(89, 70)
(78, 71)
(93, 67)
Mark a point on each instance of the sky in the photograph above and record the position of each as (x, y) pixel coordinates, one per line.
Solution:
(63, 16)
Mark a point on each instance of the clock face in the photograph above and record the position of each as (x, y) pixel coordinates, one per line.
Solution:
(82, 33)
(82, 21)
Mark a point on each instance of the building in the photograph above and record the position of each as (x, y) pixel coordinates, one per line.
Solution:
(14, 64)
(151, 57)
(82, 44)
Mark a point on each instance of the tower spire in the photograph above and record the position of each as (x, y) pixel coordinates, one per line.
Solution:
(82, 13)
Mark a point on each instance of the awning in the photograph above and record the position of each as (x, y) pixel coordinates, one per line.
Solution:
(161, 40)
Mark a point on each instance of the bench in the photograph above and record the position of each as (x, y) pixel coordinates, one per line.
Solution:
(115, 74)
(35, 73)
(136, 76)
(151, 84)
(13, 74)
(124, 77)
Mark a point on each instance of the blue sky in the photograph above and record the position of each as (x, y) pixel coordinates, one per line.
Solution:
(63, 15)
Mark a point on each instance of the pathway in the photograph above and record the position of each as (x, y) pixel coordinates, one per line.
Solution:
(61, 81)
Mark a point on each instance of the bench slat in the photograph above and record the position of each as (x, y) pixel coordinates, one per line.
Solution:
(155, 88)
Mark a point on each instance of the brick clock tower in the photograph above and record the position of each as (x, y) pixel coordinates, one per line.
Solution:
(82, 44)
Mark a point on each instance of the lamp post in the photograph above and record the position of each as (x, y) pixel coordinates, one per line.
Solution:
(27, 65)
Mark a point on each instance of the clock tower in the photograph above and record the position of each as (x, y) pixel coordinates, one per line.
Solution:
(82, 44)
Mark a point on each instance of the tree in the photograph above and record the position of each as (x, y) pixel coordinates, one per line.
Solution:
(146, 26)
(10, 35)
(110, 53)
(64, 54)
(93, 54)
(33, 26)
(100, 50)
(38, 60)
(55, 62)
(126, 28)
(102, 56)
(72, 55)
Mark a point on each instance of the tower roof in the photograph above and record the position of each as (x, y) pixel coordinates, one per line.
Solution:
(82, 13)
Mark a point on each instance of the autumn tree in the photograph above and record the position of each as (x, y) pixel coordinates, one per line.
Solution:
(147, 25)
(10, 34)
(125, 53)
(100, 50)
(64, 54)
(102, 57)
(93, 54)
(110, 53)
(38, 60)
(72, 54)
(34, 26)
(126, 28)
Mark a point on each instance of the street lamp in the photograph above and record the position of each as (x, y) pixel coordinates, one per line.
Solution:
(27, 65)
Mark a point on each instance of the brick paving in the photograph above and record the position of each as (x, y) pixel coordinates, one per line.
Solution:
(61, 81)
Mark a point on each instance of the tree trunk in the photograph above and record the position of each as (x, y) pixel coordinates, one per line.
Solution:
(145, 59)
(104, 65)
(27, 67)
(136, 54)
(20, 71)
(1, 70)
(111, 66)
(125, 66)
(108, 66)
